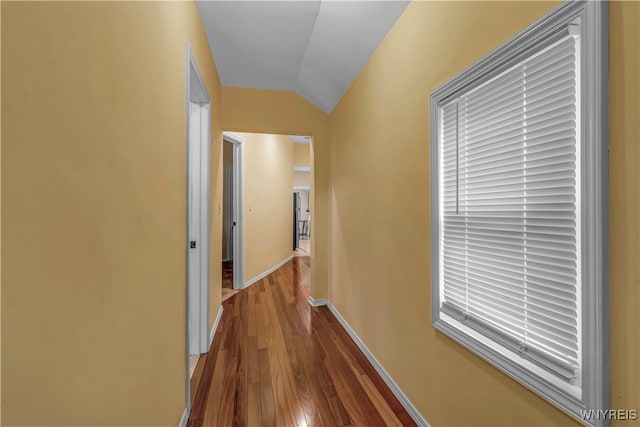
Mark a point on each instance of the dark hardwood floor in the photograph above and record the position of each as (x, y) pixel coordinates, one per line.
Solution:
(277, 361)
(227, 274)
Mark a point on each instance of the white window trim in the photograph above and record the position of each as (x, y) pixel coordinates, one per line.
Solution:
(594, 133)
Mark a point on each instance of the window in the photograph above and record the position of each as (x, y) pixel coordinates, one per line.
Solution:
(519, 207)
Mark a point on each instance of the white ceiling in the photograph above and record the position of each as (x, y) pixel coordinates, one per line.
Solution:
(313, 48)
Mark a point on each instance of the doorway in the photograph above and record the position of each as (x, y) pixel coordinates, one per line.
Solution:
(227, 222)
(198, 233)
(301, 221)
(233, 229)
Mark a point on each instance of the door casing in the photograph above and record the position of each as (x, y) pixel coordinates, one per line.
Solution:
(198, 113)
(228, 212)
(238, 209)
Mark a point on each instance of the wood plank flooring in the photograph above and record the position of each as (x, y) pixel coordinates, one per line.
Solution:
(304, 248)
(277, 361)
(227, 274)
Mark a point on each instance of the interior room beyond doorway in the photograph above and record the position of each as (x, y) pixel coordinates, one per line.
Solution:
(301, 197)
(273, 169)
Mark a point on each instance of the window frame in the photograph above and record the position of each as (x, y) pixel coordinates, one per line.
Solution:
(594, 197)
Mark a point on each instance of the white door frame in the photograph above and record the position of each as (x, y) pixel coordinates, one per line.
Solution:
(228, 212)
(238, 209)
(196, 93)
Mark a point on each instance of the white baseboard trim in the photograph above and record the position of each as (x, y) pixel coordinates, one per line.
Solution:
(184, 419)
(185, 414)
(404, 400)
(215, 326)
(317, 302)
(267, 272)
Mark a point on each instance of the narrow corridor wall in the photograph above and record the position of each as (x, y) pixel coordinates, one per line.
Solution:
(94, 210)
(268, 205)
(380, 255)
(301, 154)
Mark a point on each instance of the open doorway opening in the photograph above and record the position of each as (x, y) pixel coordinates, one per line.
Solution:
(301, 196)
(227, 222)
(232, 222)
(302, 222)
(264, 210)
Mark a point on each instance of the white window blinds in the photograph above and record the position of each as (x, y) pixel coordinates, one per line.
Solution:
(509, 220)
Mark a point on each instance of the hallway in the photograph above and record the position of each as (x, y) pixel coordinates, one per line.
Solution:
(277, 361)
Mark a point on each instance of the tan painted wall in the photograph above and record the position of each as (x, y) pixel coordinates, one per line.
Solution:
(0, 217)
(268, 194)
(276, 112)
(624, 205)
(301, 154)
(304, 204)
(302, 178)
(380, 246)
(227, 160)
(93, 210)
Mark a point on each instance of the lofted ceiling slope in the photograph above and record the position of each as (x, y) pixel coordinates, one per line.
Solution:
(313, 48)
